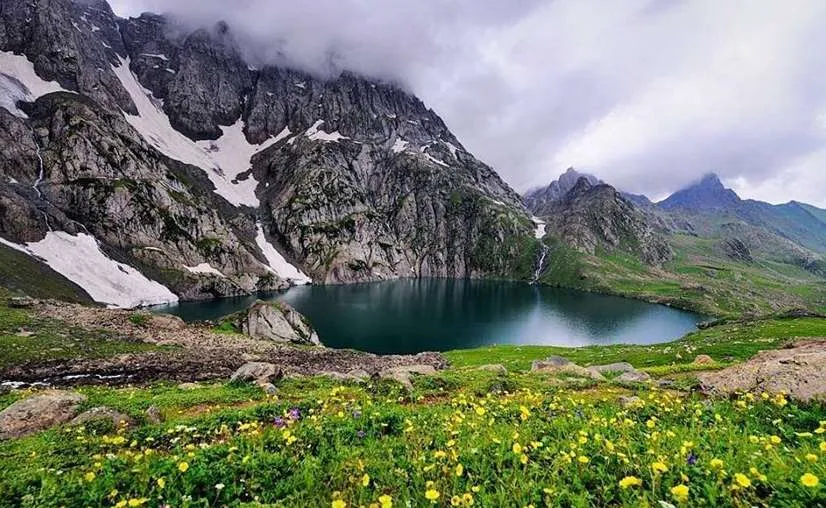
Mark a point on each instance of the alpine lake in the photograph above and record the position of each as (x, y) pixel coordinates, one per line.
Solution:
(413, 315)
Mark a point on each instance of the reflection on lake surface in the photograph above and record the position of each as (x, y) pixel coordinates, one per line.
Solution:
(409, 316)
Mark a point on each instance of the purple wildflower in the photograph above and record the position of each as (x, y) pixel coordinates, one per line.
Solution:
(361, 434)
(278, 422)
(294, 414)
(692, 459)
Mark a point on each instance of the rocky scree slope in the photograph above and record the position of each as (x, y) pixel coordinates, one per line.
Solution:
(212, 177)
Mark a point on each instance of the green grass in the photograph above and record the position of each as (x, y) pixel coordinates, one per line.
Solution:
(697, 279)
(26, 338)
(725, 343)
(512, 441)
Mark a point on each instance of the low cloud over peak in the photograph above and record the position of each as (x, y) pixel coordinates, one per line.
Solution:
(647, 94)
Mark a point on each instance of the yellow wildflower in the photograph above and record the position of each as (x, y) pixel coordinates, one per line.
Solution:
(775, 439)
(338, 503)
(365, 480)
(455, 501)
(680, 492)
(583, 459)
(716, 464)
(811, 457)
(183, 467)
(137, 502)
(523, 459)
(809, 480)
(161, 483)
(517, 448)
(460, 470)
(659, 467)
(630, 481)
(89, 476)
(432, 495)
(823, 446)
(467, 498)
(386, 501)
(742, 480)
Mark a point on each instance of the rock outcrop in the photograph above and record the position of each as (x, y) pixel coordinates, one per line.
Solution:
(39, 412)
(276, 321)
(557, 365)
(798, 371)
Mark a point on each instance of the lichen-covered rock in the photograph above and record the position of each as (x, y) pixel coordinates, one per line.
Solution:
(277, 321)
(496, 368)
(39, 412)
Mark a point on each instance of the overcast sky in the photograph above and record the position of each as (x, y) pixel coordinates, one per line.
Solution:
(646, 94)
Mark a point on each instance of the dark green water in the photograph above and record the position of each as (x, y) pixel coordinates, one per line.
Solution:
(409, 316)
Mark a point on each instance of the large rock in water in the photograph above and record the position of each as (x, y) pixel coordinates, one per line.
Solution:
(38, 413)
(278, 322)
(798, 371)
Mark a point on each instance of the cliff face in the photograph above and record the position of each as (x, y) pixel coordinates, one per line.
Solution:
(215, 178)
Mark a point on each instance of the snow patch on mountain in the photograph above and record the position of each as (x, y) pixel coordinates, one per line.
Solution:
(277, 263)
(19, 82)
(400, 145)
(315, 134)
(79, 259)
(223, 159)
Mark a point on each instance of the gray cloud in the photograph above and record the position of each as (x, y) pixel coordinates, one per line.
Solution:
(647, 94)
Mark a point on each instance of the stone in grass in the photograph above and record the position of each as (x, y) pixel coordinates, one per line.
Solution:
(630, 401)
(635, 376)
(703, 360)
(153, 415)
(496, 368)
(403, 373)
(96, 414)
(257, 372)
(559, 365)
(39, 412)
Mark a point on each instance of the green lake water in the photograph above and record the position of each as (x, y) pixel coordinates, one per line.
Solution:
(409, 316)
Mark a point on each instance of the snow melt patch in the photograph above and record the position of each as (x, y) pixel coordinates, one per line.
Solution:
(539, 232)
(452, 148)
(158, 56)
(277, 264)
(222, 160)
(79, 259)
(318, 135)
(435, 160)
(19, 82)
(232, 154)
(399, 146)
(204, 268)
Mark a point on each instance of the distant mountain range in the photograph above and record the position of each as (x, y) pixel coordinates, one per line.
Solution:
(704, 206)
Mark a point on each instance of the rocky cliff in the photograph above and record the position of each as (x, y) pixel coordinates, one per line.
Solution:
(538, 201)
(163, 152)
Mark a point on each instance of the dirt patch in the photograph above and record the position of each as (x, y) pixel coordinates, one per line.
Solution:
(200, 354)
(798, 371)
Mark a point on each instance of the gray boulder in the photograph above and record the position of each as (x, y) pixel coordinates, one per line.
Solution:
(278, 322)
(634, 376)
(256, 372)
(39, 412)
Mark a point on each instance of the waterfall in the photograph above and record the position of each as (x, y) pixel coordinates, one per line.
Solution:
(540, 264)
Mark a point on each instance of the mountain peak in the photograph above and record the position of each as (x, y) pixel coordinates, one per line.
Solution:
(708, 193)
(538, 199)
